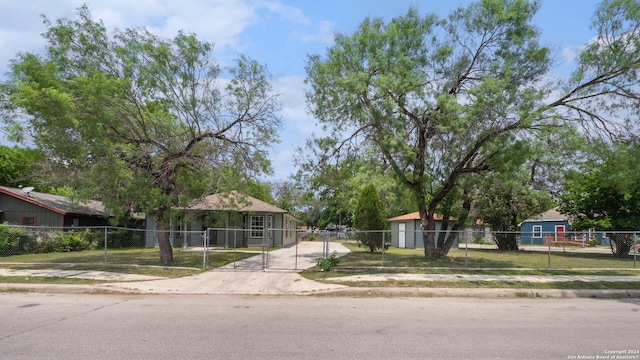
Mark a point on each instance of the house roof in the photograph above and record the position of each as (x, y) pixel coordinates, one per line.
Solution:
(59, 204)
(549, 215)
(234, 201)
(414, 216)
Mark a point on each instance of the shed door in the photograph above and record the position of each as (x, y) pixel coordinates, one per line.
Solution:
(402, 239)
(559, 232)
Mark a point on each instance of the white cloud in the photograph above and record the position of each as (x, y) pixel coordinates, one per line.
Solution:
(295, 116)
(286, 12)
(324, 33)
(569, 55)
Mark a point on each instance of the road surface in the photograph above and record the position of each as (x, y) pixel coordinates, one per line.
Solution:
(45, 326)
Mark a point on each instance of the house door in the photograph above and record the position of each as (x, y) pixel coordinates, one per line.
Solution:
(402, 239)
(559, 232)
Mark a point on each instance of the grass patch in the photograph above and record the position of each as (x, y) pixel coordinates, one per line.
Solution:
(132, 261)
(482, 258)
(480, 262)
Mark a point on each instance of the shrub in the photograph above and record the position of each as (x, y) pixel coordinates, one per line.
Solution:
(12, 240)
(63, 242)
(71, 241)
(328, 263)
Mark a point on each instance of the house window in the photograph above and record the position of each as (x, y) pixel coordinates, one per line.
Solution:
(29, 220)
(537, 231)
(257, 226)
(270, 225)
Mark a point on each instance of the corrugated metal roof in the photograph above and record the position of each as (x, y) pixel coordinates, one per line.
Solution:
(57, 203)
(234, 201)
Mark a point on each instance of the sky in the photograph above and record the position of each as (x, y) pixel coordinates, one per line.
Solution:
(280, 34)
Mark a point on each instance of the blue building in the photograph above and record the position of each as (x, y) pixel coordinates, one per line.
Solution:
(550, 224)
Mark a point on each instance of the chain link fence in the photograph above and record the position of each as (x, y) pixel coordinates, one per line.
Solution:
(482, 249)
(113, 245)
(400, 249)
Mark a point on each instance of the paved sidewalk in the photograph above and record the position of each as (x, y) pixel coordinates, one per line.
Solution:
(79, 274)
(470, 277)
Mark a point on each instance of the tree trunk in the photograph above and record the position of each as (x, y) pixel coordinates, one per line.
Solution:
(428, 225)
(163, 230)
(621, 244)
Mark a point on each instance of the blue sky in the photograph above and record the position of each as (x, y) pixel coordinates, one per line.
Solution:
(279, 34)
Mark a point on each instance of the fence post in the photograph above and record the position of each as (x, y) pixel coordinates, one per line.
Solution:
(296, 265)
(325, 247)
(635, 250)
(549, 255)
(466, 251)
(105, 244)
(205, 245)
(382, 250)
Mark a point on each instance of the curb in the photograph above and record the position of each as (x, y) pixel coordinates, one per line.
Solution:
(353, 292)
(483, 293)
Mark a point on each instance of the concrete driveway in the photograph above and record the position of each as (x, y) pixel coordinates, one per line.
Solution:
(248, 276)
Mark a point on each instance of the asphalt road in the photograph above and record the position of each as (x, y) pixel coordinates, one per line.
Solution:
(45, 326)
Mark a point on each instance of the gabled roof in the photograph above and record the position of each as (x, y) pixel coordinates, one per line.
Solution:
(549, 215)
(234, 201)
(59, 204)
(414, 216)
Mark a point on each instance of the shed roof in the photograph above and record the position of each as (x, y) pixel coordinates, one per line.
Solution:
(234, 201)
(59, 204)
(414, 216)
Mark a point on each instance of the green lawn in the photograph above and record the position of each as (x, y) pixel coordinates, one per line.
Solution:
(480, 261)
(137, 261)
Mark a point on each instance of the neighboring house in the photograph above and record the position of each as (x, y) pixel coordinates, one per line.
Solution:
(551, 225)
(29, 208)
(406, 231)
(232, 220)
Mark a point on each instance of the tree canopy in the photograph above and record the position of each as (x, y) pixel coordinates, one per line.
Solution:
(370, 219)
(19, 166)
(149, 123)
(603, 193)
(444, 100)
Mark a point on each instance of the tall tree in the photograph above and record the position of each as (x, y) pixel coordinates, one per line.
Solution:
(146, 120)
(442, 100)
(604, 192)
(370, 219)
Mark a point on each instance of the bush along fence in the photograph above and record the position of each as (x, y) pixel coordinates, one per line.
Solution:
(20, 240)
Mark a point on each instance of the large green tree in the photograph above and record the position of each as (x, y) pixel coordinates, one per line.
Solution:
(525, 186)
(148, 123)
(369, 219)
(503, 201)
(604, 193)
(442, 100)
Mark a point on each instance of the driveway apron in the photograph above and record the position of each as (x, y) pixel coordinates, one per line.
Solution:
(273, 273)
